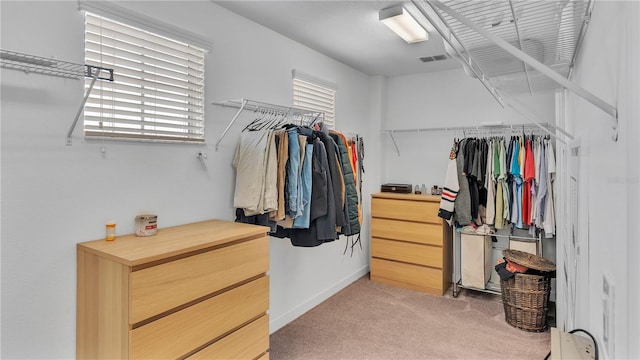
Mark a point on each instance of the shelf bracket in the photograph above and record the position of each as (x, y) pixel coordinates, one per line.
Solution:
(94, 73)
(394, 142)
(530, 115)
(242, 105)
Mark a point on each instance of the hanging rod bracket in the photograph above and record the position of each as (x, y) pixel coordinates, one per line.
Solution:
(84, 101)
(243, 103)
(614, 136)
(394, 142)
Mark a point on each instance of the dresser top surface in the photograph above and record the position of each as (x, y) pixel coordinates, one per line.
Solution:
(134, 250)
(412, 197)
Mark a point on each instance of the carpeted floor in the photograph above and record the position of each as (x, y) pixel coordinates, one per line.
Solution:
(368, 320)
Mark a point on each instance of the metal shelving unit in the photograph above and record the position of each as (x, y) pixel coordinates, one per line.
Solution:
(457, 263)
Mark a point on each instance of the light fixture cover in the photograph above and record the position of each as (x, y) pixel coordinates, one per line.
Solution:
(403, 24)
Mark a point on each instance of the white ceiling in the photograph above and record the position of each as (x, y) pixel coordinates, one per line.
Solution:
(347, 31)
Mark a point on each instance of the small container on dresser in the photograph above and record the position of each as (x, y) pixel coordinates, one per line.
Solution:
(197, 291)
(410, 245)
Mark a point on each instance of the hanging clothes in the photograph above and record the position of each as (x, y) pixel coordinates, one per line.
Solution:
(542, 189)
(502, 182)
(462, 204)
(255, 162)
(302, 182)
(335, 173)
(451, 187)
(489, 185)
(302, 221)
(549, 221)
(352, 224)
(529, 175)
(498, 179)
(282, 140)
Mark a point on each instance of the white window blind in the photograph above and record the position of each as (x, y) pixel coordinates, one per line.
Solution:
(313, 95)
(158, 87)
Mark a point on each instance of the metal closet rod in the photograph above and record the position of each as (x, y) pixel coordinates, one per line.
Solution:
(253, 105)
(482, 128)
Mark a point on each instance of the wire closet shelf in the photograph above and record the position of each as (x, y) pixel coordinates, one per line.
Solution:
(516, 46)
(28, 63)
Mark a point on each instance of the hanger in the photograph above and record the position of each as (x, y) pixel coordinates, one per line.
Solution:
(250, 126)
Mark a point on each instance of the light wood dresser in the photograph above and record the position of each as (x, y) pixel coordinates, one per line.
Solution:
(410, 245)
(197, 291)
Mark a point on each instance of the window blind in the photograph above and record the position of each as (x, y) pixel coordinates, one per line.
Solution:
(158, 87)
(314, 96)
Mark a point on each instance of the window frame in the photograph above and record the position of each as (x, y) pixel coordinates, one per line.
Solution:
(313, 94)
(156, 101)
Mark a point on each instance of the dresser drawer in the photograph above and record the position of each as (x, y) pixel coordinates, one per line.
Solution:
(425, 255)
(248, 342)
(421, 211)
(163, 287)
(407, 231)
(177, 334)
(414, 276)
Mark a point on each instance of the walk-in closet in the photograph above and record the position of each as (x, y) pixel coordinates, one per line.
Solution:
(303, 180)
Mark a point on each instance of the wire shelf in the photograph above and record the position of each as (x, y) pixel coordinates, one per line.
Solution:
(47, 66)
(548, 31)
(40, 65)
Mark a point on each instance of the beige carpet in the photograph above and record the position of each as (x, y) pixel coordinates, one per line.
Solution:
(368, 320)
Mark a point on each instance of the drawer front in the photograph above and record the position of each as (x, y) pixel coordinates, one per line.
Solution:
(426, 255)
(420, 276)
(163, 287)
(422, 211)
(177, 334)
(248, 342)
(407, 231)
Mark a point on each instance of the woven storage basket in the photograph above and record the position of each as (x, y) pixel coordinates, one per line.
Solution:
(525, 299)
(525, 296)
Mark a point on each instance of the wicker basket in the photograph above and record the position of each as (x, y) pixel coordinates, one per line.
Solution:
(525, 300)
(525, 296)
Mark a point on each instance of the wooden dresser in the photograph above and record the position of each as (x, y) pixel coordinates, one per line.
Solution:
(197, 291)
(410, 245)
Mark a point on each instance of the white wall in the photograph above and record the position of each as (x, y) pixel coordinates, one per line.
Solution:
(608, 234)
(448, 99)
(54, 196)
(434, 100)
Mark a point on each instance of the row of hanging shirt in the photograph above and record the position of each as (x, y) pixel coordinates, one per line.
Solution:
(299, 180)
(501, 182)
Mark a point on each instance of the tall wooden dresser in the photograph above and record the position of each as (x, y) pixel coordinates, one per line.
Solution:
(410, 245)
(197, 291)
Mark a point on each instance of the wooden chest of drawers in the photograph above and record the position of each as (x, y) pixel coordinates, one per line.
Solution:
(192, 291)
(410, 245)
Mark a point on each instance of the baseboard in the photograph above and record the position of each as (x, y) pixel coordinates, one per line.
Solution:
(275, 324)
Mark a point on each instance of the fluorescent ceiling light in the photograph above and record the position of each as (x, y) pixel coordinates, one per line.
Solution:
(402, 23)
